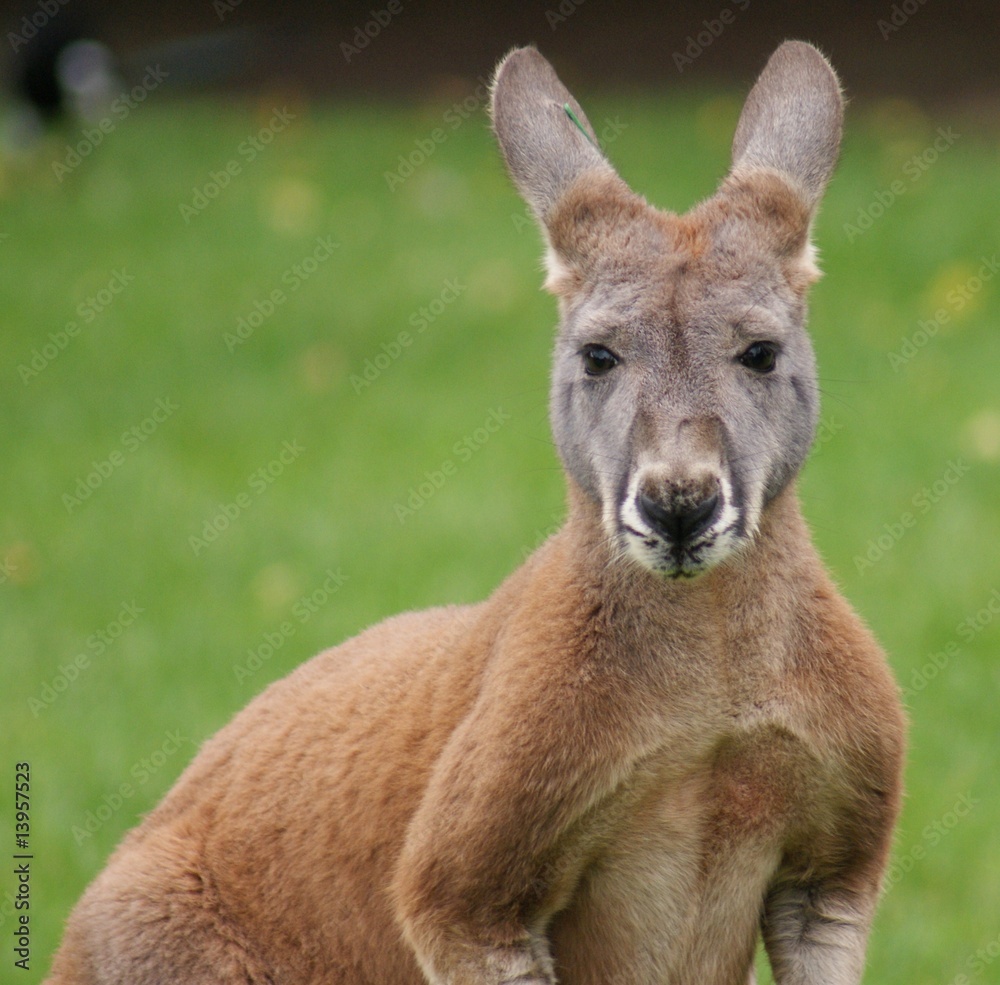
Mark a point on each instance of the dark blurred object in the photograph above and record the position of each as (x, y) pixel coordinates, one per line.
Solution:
(62, 70)
(37, 81)
(933, 52)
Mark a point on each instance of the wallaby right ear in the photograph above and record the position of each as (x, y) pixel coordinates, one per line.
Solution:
(544, 149)
(784, 151)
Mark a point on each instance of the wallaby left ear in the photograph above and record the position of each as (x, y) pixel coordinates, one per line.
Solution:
(792, 121)
(551, 153)
(545, 149)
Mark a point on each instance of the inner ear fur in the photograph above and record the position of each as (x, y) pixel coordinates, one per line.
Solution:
(597, 218)
(776, 216)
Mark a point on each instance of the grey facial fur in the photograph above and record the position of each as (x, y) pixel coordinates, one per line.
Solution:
(688, 428)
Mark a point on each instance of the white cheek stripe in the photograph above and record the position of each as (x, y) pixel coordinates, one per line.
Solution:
(609, 510)
(728, 515)
(629, 509)
(752, 508)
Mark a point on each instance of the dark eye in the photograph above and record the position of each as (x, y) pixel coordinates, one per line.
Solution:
(597, 360)
(760, 357)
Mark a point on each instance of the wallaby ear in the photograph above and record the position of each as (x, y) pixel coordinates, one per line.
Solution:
(544, 149)
(792, 121)
(551, 153)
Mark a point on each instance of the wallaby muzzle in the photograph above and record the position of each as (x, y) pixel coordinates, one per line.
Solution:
(680, 512)
(678, 506)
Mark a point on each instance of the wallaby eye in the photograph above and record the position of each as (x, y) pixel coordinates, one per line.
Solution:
(760, 357)
(597, 360)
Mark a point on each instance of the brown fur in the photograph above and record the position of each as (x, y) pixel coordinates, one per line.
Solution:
(597, 776)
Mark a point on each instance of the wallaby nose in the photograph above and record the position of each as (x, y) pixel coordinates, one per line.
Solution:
(679, 518)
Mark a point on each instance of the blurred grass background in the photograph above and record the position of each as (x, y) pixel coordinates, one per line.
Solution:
(889, 431)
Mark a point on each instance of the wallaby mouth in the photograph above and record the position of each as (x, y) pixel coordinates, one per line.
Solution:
(679, 528)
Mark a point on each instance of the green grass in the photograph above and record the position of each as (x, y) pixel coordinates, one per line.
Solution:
(68, 572)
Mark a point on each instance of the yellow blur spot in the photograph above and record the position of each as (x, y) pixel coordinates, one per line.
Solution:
(440, 192)
(955, 293)
(292, 207)
(901, 130)
(19, 564)
(276, 587)
(982, 433)
(493, 285)
(897, 120)
(321, 366)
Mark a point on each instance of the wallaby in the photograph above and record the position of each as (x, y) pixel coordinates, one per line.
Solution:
(663, 737)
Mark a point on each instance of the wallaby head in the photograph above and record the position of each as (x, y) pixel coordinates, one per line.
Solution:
(684, 394)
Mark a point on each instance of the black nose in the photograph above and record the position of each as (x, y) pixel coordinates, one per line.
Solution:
(681, 518)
